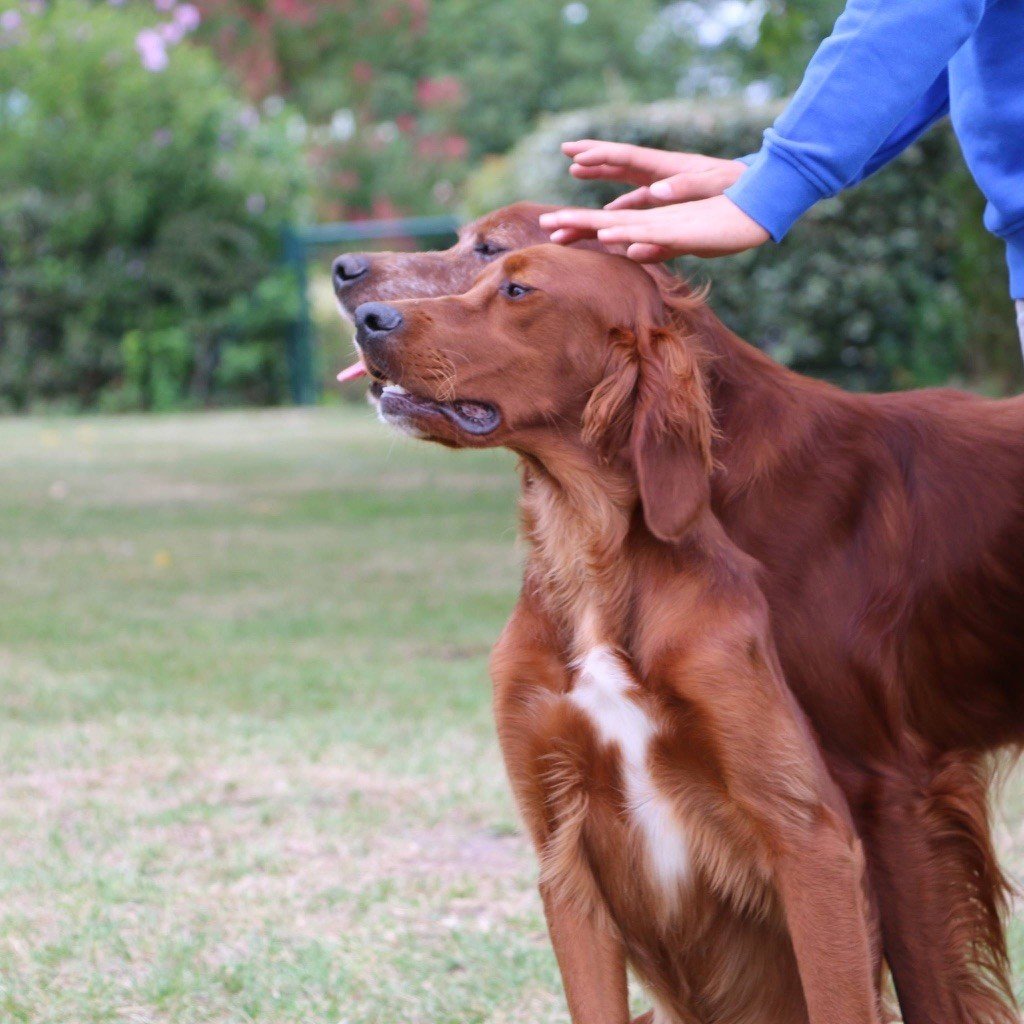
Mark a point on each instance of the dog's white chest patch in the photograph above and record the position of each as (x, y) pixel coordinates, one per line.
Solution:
(603, 692)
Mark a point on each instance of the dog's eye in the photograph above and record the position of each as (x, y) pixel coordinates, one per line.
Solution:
(515, 291)
(488, 249)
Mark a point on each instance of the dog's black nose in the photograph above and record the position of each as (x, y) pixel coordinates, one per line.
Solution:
(349, 268)
(375, 321)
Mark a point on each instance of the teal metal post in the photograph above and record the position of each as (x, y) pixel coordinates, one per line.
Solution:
(301, 377)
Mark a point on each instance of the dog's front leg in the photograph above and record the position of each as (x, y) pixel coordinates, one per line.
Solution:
(815, 860)
(774, 776)
(591, 961)
(819, 874)
(528, 666)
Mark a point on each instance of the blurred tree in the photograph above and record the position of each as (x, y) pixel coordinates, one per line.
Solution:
(405, 93)
(500, 64)
(789, 34)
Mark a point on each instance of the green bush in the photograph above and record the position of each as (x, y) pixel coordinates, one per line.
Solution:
(892, 284)
(140, 219)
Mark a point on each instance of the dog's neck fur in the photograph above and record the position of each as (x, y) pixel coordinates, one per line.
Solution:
(578, 509)
(576, 512)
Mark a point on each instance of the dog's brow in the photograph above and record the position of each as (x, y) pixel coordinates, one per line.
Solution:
(516, 264)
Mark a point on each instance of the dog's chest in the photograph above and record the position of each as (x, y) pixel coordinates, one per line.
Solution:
(607, 694)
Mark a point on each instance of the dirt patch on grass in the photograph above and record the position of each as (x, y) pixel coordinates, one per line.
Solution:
(449, 851)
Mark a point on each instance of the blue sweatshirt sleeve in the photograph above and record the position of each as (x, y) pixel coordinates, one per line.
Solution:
(862, 99)
(932, 106)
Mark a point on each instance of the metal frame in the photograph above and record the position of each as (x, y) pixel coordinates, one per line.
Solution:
(296, 244)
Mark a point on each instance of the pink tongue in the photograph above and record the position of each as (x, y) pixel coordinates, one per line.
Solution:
(353, 372)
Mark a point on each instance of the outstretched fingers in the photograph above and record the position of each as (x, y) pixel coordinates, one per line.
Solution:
(619, 161)
(583, 219)
(705, 227)
(608, 172)
(567, 236)
(620, 229)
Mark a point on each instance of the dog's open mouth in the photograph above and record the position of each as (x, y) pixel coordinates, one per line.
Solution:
(473, 417)
(396, 402)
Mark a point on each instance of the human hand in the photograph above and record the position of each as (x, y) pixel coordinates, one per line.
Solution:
(707, 227)
(662, 177)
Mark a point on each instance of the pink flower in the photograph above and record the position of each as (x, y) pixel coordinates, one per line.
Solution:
(171, 33)
(362, 72)
(419, 10)
(293, 10)
(10, 21)
(152, 51)
(454, 147)
(438, 92)
(187, 17)
(163, 5)
(441, 147)
(406, 123)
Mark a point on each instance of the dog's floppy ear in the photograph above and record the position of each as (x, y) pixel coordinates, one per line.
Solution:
(652, 406)
(608, 417)
(671, 437)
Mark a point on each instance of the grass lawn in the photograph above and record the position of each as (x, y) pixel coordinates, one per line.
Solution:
(248, 769)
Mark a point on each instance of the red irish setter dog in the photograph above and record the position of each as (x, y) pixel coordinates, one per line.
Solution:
(683, 817)
(889, 533)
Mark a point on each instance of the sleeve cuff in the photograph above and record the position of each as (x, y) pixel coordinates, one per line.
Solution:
(774, 193)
